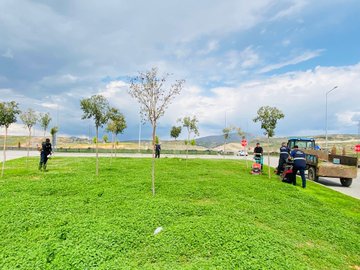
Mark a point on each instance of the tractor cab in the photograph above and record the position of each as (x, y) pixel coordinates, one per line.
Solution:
(303, 143)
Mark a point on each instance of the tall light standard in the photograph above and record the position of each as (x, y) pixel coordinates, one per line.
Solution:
(140, 133)
(326, 143)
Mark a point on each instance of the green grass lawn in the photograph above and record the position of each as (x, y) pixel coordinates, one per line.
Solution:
(214, 214)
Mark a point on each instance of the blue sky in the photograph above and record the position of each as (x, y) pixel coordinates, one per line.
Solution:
(235, 56)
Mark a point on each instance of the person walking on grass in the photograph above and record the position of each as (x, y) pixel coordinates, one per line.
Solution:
(45, 151)
(157, 150)
(299, 165)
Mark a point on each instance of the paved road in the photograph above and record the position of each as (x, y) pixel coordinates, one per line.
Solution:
(333, 183)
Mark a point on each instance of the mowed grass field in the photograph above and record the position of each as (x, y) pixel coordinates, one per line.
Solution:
(214, 214)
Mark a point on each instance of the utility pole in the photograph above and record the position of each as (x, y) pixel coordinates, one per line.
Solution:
(224, 136)
(326, 113)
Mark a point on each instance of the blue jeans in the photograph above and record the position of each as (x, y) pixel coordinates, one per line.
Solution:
(302, 174)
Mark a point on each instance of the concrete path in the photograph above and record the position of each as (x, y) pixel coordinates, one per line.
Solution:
(333, 183)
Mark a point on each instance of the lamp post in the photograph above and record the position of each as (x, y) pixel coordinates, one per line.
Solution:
(326, 96)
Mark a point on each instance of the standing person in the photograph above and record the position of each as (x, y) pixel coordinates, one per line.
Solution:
(45, 151)
(258, 154)
(284, 155)
(157, 150)
(299, 165)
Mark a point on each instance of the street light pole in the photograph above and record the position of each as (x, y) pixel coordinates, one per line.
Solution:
(140, 133)
(326, 96)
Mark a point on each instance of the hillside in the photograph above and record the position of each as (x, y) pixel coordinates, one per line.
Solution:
(215, 142)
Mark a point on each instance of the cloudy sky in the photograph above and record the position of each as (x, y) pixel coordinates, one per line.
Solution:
(235, 56)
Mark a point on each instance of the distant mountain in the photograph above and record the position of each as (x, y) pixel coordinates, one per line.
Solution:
(216, 140)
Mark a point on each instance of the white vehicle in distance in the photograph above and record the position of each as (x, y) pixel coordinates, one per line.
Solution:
(242, 153)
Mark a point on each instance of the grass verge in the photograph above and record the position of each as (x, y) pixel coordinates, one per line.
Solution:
(214, 214)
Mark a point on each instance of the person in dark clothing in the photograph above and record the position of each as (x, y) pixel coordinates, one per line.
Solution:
(284, 155)
(299, 165)
(157, 150)
(258, 154)
(45, 151)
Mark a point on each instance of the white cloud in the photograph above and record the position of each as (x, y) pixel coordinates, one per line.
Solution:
(8, 54)
(295, 7)
(300, 95)
(286, 42)
(59, 80)
(348, 118)
(211, 46)
(296, 60)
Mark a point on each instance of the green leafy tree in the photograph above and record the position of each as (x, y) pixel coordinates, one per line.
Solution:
(96, 107)
(29, 118)
(44, 120)
(154, 96)
(105, 138)
(8, 113)
(116, 125)
(268, 117)
(53, 132)
(191, 125)
(175, 132)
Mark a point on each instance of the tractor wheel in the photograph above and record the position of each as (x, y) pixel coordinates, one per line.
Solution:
(312, 174)
(346, 182)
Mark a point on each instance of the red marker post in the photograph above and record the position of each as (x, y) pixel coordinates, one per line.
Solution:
(357, 148)
(244, 144)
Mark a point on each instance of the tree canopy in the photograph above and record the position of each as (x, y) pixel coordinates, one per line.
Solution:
(175, 132)
(96, 107)
(8, 113)
(44, 120)
(268, 117)
(29, 118)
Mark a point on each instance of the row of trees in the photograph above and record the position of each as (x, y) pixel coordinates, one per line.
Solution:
(8, 115)
(191, 125)
(153, 94)
(98, 108)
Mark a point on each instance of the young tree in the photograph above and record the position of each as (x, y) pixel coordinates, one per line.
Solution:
(191, 125)
(116, 125)
(268, 117)
(96, 107)
(53, 132)
(29, 118)
(154, 96)
(175, 132)
(8, 112)
(105, 138)
(44, 120)
(226, 132)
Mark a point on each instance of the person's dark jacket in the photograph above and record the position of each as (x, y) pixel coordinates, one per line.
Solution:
(46, 148)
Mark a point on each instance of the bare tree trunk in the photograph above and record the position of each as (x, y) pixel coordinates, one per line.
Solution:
(153, 160)
(44, 133)
(112, 146)
(28, 148)
(3, 164)
(269, 155)
(97, 151)
(224, 146)
(187, 145)
(115, 145)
